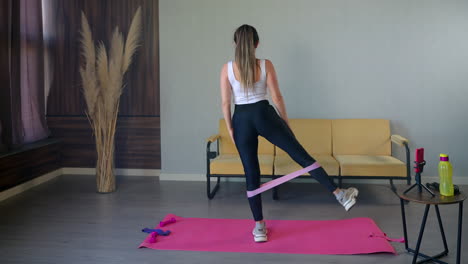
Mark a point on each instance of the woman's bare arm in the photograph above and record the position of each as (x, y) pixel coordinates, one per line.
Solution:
(273, 87)
(226, 99)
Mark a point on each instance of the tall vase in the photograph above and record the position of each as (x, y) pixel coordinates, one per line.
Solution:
(102, 77)
(105, 169)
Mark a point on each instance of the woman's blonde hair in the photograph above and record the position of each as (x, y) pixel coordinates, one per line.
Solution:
(246, 39)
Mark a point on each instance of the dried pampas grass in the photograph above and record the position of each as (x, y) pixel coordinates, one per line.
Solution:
(102, 76)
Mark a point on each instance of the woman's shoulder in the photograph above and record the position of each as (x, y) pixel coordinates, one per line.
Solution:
(226, 65)
(224, 69)
(268, 64)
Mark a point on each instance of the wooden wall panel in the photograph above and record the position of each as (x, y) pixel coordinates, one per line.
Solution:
(137, 142)
(141, 95)
(138, 127)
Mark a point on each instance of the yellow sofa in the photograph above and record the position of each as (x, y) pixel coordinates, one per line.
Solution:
(346, 149)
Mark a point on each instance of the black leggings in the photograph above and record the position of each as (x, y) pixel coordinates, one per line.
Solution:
(251, 120)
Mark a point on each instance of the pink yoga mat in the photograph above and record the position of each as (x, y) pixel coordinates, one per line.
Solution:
(350, 236)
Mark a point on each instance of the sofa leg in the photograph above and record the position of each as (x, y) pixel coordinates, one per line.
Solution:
(210, 193)
(340, 183)
(392, 186)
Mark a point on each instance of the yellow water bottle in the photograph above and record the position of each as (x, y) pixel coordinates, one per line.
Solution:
(445, 176)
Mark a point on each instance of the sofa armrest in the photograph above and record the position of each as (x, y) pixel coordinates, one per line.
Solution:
(399, 140)
(212, 154)
(403, 142)
(213, 138)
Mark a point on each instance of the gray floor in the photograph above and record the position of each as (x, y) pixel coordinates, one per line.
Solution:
(66, 221)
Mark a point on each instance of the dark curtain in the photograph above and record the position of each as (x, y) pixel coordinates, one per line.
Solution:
(3, 67)
(5, 72)
(3, 147)
(22, 61)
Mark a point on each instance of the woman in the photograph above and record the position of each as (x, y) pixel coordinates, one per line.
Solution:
(247, 80)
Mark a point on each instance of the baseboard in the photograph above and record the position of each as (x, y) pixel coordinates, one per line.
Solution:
(195, 177)
(120, 172)
(202, 177)
(29, 184)
(79, 171)
(181, 177)
(461, 180)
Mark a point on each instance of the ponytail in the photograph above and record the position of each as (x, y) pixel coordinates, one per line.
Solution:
(246, 39)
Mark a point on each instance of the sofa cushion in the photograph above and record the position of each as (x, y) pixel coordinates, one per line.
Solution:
(228, 147)
(230, 164)
(361, 137)
(361, 165)
(313, 134)
(285, 165)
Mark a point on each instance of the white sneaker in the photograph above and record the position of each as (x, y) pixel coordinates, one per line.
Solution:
(347, 197)
(260, 233)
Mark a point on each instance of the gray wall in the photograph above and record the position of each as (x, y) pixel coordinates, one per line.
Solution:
(403, 60)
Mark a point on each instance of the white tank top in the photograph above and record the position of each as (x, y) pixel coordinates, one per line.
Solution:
(258, 93)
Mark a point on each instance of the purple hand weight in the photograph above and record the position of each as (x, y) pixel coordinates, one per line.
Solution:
(158, 231)
(170, 221)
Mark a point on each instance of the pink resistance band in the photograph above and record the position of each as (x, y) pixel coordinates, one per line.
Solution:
(283, 179)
